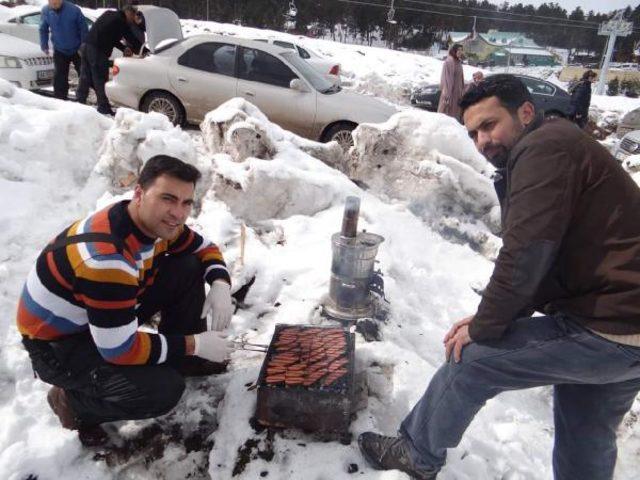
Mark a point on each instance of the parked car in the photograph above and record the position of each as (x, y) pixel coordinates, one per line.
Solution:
(546, 96)
(23, 64)
(629, 145)
(324, 65)
(630, 122)
(186, 78)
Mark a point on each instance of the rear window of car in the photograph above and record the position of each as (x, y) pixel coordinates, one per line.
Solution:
(538, 86)
(211, 57)
(284, 44)
(259, 66)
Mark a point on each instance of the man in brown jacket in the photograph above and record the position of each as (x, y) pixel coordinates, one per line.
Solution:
(571, 250)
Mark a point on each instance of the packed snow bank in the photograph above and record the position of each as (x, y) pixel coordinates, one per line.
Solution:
(428, 160)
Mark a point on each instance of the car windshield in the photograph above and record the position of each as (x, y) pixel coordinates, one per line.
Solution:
(310, 74)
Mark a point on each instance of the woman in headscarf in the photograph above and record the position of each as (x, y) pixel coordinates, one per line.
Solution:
(452, 83)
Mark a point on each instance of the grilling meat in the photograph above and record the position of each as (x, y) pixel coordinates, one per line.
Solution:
(308, 357)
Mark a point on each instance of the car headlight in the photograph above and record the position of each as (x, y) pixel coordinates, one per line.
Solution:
(9, 62)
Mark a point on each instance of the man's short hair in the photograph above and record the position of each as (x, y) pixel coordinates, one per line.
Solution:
(508, 89)
(589, 74)
(166, 165)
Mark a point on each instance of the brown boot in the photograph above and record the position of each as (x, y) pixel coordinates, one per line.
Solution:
(90, 435)
(58, 402)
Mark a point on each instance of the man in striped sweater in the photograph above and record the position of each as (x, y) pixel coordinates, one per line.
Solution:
(105, 275)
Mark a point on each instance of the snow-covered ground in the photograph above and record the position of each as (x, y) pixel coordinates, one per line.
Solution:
(60, 161)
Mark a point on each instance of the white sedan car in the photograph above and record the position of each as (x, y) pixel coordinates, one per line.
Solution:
(186, 78)
(23, 64)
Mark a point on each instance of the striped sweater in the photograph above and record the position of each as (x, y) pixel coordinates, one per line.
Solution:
(95, 286)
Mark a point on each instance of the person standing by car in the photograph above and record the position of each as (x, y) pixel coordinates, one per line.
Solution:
(581, 99)
(106, 34)
(66, 25)
(452, 83)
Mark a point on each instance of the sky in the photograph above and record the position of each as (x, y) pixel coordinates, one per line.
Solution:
(596, 5)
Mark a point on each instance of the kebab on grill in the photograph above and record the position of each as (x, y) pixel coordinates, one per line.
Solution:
(308, 357)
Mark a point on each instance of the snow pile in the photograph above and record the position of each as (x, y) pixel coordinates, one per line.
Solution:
(263, 172)
(428, 160)
(133, 139)
(632, 165)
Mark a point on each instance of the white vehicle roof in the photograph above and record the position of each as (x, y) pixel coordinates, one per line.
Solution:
(16, 47)
(7, 13)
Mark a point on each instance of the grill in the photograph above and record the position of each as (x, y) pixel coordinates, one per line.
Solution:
(629, 145)
(37, 61)
(307, 380)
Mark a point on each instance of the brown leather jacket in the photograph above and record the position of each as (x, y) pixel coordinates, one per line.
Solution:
(571, 236)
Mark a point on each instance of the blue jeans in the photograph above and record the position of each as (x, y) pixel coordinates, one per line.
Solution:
(595, 383)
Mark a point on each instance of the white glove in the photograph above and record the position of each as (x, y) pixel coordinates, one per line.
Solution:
(212, 346)
(219, 302)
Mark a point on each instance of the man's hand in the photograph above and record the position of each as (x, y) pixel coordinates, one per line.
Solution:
(457, 338)
(128, 52)
(219, 301)
(212, 346)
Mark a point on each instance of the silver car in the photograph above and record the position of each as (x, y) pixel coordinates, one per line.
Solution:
(629, 145)
(186, 78)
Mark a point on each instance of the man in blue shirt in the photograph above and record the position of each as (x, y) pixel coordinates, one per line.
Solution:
(67, 26)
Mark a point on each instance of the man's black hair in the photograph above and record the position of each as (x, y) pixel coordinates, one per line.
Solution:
(508, 89)
(166, 165)
(589, 74)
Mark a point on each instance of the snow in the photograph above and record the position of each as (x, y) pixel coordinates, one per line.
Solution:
(431, 199)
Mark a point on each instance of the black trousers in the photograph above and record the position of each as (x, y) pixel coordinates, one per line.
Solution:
(94, 73)
(61, 63)
(103, 392)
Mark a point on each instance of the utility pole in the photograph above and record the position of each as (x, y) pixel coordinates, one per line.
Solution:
(616, 27)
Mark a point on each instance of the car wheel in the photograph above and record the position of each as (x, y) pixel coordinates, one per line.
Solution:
(341, 133)
(165, 103)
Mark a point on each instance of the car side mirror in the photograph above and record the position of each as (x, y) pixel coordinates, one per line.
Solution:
(298, 85)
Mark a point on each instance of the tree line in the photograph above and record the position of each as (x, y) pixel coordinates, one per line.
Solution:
(418, 23)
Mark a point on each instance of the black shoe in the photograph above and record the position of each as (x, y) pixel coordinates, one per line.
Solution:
(192, 366)
(391, 453)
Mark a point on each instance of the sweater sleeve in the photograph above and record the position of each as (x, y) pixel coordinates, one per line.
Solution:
(190, 242)
(83, 28)
(107, 285)
(44, 30)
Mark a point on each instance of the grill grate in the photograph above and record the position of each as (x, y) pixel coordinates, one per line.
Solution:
(629, 145)
(306, 379)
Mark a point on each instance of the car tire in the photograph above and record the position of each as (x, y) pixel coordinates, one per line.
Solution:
(341, 133)
(165, 103)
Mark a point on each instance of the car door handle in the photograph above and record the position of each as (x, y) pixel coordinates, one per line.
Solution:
(249, 94)
(183, 80)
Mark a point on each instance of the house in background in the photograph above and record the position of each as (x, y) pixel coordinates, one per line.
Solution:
(502, 48)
